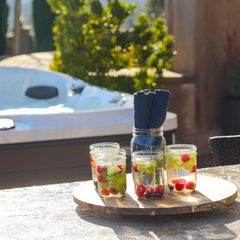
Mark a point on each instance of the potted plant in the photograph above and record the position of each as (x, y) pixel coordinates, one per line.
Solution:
(230, 105)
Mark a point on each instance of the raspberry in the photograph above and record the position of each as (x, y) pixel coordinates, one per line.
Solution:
(101, 179)
(149, 191)
(105, 192)
(141, 188)
(159, 189)
(113, 191)
(194, 169)
(92, 165)
(139, 194)
(189, 185)
(135, 169)
(179, 186)
(185, 157)
(92, 162)
(101, 169)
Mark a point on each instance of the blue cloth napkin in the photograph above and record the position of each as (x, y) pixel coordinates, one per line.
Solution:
(159, 108)
(142, 108)
(150, 108)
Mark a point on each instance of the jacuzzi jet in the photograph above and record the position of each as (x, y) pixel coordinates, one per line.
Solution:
(116, 99)
(77, 89)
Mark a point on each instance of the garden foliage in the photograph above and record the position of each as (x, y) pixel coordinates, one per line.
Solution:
(91, 44)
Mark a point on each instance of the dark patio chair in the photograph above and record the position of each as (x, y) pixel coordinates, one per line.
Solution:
(225, 149)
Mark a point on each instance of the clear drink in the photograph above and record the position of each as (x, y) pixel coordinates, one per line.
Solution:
(148, 174)
(181, 167)
(111, 174)
(94, 148)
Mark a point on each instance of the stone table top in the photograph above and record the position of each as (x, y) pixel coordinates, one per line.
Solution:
(49, 212)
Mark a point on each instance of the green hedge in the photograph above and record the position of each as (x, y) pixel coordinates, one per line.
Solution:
(90, 43)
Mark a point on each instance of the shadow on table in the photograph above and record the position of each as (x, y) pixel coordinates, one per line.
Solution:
(202, 225)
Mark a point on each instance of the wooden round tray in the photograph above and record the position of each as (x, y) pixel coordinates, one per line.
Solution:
(210, 193)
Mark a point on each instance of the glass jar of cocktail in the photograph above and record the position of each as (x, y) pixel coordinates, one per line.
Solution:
(151, 139)
(181, 167)
(111, 173)
(93, 150)
(148, 174)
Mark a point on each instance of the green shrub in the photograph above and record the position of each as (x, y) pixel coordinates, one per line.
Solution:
(90, 44)
(43, 19)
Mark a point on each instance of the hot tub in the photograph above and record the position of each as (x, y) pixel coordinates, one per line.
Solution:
(54, 128)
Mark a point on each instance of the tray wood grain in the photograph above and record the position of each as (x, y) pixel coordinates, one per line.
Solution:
(211, 193)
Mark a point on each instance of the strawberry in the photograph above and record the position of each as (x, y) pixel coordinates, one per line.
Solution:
(101, 169)
(113, 191)
(189, 185)
(101, 179)
(135, 169)
(179, 180)
(185, 157)
(159, 189)
(140, 190)
(179, 186)
(105, 192)
(91, 158)
(121, 168)
(149, 191)
(194, 169)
